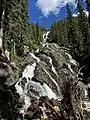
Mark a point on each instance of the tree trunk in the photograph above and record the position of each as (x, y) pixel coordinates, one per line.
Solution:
(2, 26)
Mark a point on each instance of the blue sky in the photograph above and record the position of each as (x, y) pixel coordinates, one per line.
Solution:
(46, 12)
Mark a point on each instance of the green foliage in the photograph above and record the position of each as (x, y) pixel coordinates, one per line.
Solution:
(58, 33)
(15, 16)
(17, 30)
(72, 39)
(73, 32)
(33, 35)
(16, 58)
(18, 61)
(84, 29)
(69, 12)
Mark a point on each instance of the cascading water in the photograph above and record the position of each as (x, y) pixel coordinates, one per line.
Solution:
(28, 89)
(45, 36)
(32, 89)
(22, 90)
(49, 74)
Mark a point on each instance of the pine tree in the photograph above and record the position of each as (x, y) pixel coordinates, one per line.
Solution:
(53, 33)
(83, 28)
(72, 39)
(3, 12)
(69, 13)
(15, 21)
(37, 31)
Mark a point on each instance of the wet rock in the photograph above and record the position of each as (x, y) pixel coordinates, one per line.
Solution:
(6, 78)
(36, 80)
(42, 110)
(50, 85)
(8, 95)
(51, 74)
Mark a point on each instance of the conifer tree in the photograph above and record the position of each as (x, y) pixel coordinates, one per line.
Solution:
(3, 13)
(72, 39)
(83, 27)
(37, 31)
(15, 20)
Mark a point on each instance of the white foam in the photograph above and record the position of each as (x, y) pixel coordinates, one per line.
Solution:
(0, 42)
(53, 68)
(27, 102)
(69, 67)
(52, 80)
(43, 90)
(88, 85)
(37, 51)
(56, 45)
(7, 53)
(44, 115)
(45, 36)
(71, 59)
(24, 97)
(19, 89)
(36, 58)
(87, 103)
(86, 93)
(49, 92)
(29, 71)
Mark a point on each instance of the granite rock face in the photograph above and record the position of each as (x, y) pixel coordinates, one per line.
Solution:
(52, 73)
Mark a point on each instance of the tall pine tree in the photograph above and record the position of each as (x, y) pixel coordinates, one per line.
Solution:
(72, 36)
(83, 28)
(13, 35)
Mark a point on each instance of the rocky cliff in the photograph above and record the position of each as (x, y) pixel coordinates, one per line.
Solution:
(51, 85)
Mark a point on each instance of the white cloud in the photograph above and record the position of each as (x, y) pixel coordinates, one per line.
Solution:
(54, 6)
(40, 17)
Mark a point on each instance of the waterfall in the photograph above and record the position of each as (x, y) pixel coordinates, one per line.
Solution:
(27, 73)
(32, 88)
(45, 36)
